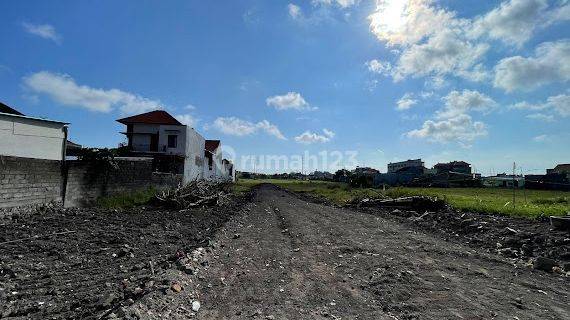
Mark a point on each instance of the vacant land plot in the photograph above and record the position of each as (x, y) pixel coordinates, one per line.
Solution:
(287, 258)
(527, 203)
(81, 263)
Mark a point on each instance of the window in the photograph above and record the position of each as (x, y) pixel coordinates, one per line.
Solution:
(172, 141)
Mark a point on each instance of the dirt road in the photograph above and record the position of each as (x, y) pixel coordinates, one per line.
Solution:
(285, 258)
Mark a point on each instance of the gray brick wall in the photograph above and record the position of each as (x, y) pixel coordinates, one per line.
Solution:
(25, 181)
(86, 182)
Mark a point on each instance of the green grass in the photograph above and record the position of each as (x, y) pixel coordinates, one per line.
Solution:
(528, 203)
(127, 200)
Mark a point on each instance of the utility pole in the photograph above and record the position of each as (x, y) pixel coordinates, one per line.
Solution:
(524, 185)
(514, 179)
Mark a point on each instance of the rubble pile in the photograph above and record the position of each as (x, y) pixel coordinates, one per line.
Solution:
(195, 194)
(512, 237)
(414, 203)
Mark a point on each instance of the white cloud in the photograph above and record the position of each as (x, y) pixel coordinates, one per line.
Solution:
(406, 102)
(443, 53)
(561, 13)
(513, 22)
(270, 129)
(187, 119)
(559, 104)
(328, 133)
(309, 137)
(406, 22)
(461, 129)
(541, 138)
(541, 117)
(238, 127)
(457, 103)
(377, 66)
(519, 73)
(63, 89)
(45, 31)
(340, 3)
(190, 107)
(291, 100)
(294, 11)
(432, 41)
(453, 122)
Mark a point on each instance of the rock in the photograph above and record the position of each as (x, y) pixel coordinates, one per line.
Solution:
(195, 305)
(107, 300)
(176, 287)
(545, 264)
(237, 235)
(188, 270)
(557, 270)
(566, 266)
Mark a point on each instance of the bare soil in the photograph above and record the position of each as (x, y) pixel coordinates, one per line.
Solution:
(97, 259)
(287, 258)
(278, 256)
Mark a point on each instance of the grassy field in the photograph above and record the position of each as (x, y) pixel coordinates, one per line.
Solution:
(528, 203)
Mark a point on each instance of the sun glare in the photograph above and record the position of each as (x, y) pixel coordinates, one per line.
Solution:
(389, 16)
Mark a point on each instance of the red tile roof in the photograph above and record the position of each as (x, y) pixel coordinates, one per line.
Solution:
(153, 117)
(212, 145)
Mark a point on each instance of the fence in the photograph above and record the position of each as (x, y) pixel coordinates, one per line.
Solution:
(25, 181)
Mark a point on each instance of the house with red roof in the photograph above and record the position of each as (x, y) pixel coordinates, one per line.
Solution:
(175, 147)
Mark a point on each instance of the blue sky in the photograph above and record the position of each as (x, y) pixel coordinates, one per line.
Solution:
(481, 81)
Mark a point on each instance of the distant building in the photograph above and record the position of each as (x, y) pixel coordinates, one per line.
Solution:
(397, 166)
(504, 181)
(29, 137)
(321, 175)
(563, 169)
(554, 179)
(453, 166)
(365, 171)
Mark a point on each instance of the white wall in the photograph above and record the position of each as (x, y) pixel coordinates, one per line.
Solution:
(165, 131)
(141, 142)
(31, 138)
(216, 173)
(194, 161)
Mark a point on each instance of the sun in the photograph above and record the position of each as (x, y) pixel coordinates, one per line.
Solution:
(389, 18)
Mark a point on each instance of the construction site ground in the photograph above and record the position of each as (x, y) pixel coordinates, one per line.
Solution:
(280, 256)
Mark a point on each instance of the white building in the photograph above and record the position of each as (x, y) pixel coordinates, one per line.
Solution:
(178, 147)
(213, 167)
(29, 137)
(228, 173)
(395, 166)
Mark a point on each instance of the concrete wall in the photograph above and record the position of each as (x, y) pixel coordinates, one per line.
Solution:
(194, 161)
(25, 181)
(31, 138)
(141, 142)
(86, 181)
